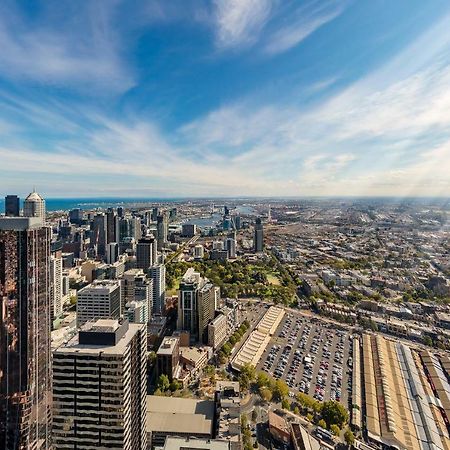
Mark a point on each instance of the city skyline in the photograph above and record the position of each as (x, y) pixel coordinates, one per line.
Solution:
(225, 98)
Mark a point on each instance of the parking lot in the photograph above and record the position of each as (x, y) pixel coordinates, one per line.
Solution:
(313, 357)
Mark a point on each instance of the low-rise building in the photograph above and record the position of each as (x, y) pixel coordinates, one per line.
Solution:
(181, 417)
(279, 429)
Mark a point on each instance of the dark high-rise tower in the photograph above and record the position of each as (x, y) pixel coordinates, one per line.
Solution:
(112, 226)
(258, 240)
(12, 206)
(25, 363)
(99, 233)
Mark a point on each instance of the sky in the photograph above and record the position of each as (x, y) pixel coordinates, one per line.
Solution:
(186, 98)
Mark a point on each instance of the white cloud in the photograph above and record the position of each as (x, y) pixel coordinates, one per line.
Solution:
(239, 22)
(81, 48)
(305, 21)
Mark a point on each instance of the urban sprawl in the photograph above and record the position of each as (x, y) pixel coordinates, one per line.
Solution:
(231, 324)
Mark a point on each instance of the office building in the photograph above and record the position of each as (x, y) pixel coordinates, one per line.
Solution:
(155, 214)
(137, 287)
(136, 311)
(99, 300)
(112, 226)
(196, 304)
(99, 388)
(98, 236)
(161, 230)
(76, 216)
(34, 206)
(168, 357)
(258, 240)
(56, 297)
(12, 206)
(206, 307)
(230, 245)
(199, 251)
(25, 358)
(145, 252)
(112, 252)
(188, 230)
(158, 274)
(217, 331)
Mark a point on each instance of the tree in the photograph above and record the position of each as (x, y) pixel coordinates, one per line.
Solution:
(163, 383)
(175, 385)
(209, 370)
(296, 410)
(285, 403)
(349, 437)
(335, 429)
(262, 380)
(280, 390)
(334, 413)
(321, 423)
(265, 394)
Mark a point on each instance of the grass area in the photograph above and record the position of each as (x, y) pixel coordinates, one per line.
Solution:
(273, 279)
(174, 289)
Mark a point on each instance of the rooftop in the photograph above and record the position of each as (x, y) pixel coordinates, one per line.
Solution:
(179, 415)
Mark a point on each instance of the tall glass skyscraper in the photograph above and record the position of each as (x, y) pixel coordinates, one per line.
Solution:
(25, 364)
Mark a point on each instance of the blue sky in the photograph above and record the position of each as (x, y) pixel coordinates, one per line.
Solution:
(225, 97)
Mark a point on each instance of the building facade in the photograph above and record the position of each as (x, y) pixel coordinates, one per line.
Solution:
(258, 239)
(99, 388)
(25, 357)
(158, 274)
(99, 300)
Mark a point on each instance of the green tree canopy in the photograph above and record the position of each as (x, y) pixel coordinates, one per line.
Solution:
(334, 413)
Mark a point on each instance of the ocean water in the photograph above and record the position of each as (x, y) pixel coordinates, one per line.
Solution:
(64, 204)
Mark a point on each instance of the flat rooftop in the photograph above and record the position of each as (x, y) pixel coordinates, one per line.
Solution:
(74, 346)
(179, 415)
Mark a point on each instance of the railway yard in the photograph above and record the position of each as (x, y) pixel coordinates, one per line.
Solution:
(397, 394)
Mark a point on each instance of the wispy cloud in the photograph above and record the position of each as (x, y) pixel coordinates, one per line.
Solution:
(276, 26)
(60, 49)
(239, 22)
(303, 22)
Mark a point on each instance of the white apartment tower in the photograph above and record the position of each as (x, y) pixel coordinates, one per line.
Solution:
(99, 300)
(99, 388)
(158, 274)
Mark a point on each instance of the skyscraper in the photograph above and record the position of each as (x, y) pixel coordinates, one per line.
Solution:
(158, 274)
(145, 252)
(25, 359)
(196, 304)
(34, 206)
(258, 240)
(161, 230)
(112, 252)
(112, 226)
(12, 206)
(100, 387)
(99, 232)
